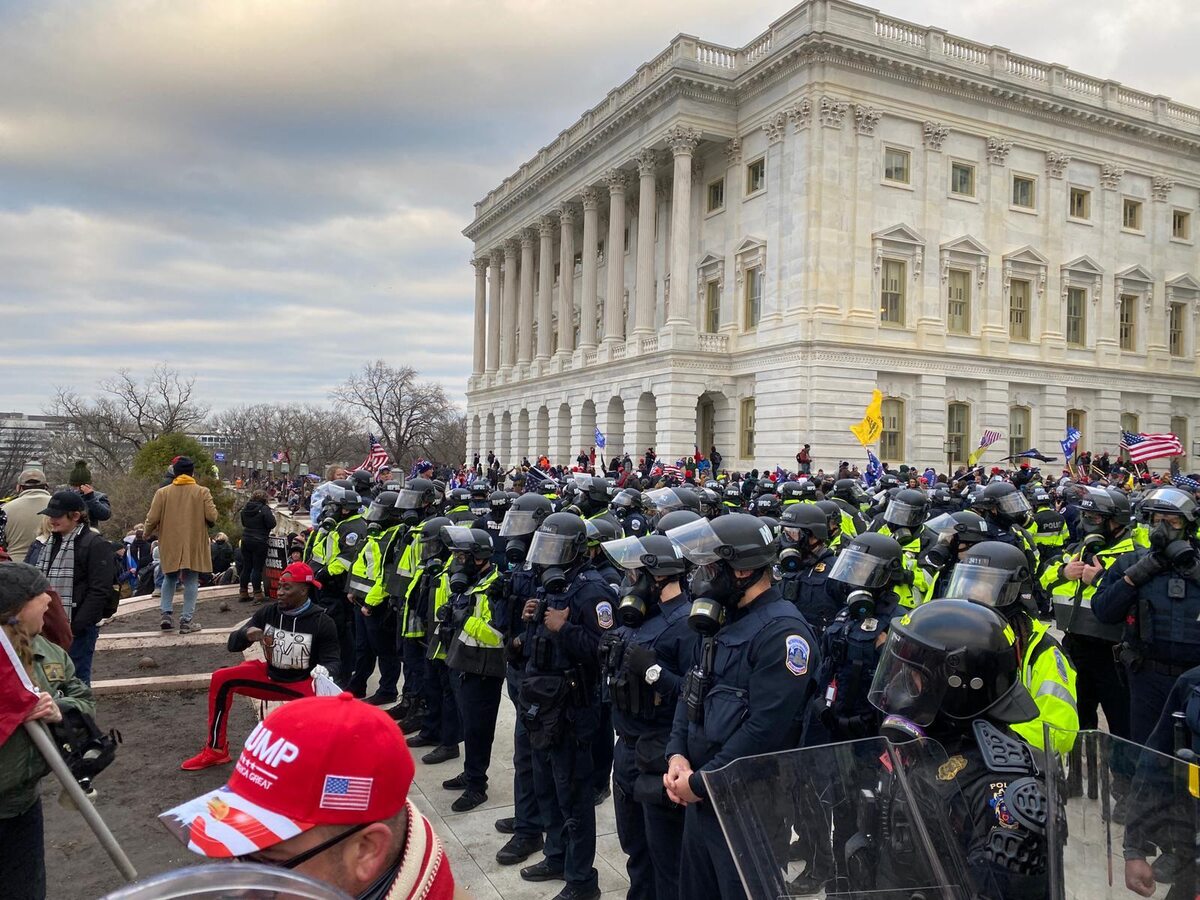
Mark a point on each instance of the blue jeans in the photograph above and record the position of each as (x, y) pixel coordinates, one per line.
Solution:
(191, 590)
(83, 648)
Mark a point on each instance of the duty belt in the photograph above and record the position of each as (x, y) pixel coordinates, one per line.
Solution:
(1165, 668)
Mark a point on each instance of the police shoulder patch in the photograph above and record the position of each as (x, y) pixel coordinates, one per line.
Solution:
(1060, 661)
(352, 539)
(604, 614)
(797, 654)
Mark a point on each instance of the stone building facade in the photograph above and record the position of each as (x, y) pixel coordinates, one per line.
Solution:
(738, 245)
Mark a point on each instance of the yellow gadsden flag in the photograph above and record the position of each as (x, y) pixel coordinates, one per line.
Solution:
(868, 430)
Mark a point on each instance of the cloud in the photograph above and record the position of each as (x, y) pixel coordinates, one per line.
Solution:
(269, 194)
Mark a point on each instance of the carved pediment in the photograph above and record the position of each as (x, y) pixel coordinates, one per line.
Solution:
(965, 244)
(1135, 273)
(1084, 265)
(1184, 282)
(1026, 256)
(750, 245)
(900, 234)
(710, 259)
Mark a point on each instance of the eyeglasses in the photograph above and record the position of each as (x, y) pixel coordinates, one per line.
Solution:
(305, 856)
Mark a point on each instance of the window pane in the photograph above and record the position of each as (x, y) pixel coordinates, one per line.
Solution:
(957, 417)
(1175, 329)
(1128, 329)
(1080, 203)
(1129, 422)
(748, 424)
(1131, 216)
(1022, 191)
(712, 310)
(962, 179)
(895, 165)
(754, 282)
(756, 176)
(1076, 312)
(1018, 430)
(958, 307)
(892, 292)
(716, 195)
(1018, 310)
(1181, 224)
(891, 440)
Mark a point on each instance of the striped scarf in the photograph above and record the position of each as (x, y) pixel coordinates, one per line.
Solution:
(424, 873)
(59, 568)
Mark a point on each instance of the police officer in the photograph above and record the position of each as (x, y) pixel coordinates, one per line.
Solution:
(412, 601)
(642, 662)
(1008, 516)
(458, 507)
(666, 500)
(480, 501)
(949, 672)
(747, 686)
(902, 519)
(805, 561)
(943, 540)
(442, 725)
(1072, 581)
(475, 638)
(997, 575)
(491, 520)
(560, 697)
(600, 531)
(870, 569)
(627, 507)
(1050, 525)
(526, 825)
(375, 623)
(710, 503)
(849, 495)
(768, 506)
(363, 485)
(330, 551)
(731, 498)
(1158, 590)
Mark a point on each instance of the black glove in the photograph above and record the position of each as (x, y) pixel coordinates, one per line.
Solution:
(638, 659)
(1144, 569)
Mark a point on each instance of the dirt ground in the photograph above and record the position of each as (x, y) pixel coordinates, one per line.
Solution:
(208, 614)
(171, 661)
(159, 731)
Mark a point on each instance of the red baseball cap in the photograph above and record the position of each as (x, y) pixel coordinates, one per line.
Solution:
(313, 761)
(299, 571)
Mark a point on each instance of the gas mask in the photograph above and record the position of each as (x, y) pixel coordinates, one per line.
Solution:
(1091, 528)
(1181, 555)
(901, 534)
(328, 523)
(796, 553)
(410, 518)
(707, 617)
(462, 574)
(717, 589)
(1162, 535)
(938, 556)
(514, 551)
(374, 528)
(553, 579)
(638, 597)
(861, 604)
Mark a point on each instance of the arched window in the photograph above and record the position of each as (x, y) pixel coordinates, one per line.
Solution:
(891, 441)
(1018, 430)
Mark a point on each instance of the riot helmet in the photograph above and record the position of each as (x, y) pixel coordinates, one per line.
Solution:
(849, 491)
(674, 519)
(810, 492)
(433, 546)
(907, 510)
(600, 530)
(942, 537)
(480, 497)
(1097, 509)
(558, 544)
(524, 516)
(627, 501)
(768, 505)
(833, 516)
(1171, 515)
(419, 499)
(800, 525)
(661, 501)
(868, 565)
(645, 561)
(995, 574)
(732, 494)
(498, 503)
(710, 504)
(339, 502)
(362, 481)
(790, 492)
(1001, 503)
(382, 512)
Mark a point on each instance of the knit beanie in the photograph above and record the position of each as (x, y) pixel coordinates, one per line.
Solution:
(80, 474)
(183, 465)
(19, 583)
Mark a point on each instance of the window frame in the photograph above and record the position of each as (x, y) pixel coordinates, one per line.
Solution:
(753, 275)
(747, 426)
(1184, 436)
(1018, 438)
(959, 438)
(708, 191)
(1139, 206)
(886, 407)
(1127, 330)
(712, 305)
(1082, 317)
(1027, 310)
(750, 165)
(974, 170)
(1185, 238)
(1177, 307)
(1086, 218)
(967, 277)
(1032, 208)
(1077, 418)
(903, 285)
(895, 182)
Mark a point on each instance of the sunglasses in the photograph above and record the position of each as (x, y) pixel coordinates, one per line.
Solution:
(303, 857)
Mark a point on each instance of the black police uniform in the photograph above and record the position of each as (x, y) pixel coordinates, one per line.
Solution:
(602, 745)
(649, 824)
(560, 704)
(764, 658)
(850, 649)
(492, 527)
(1163, 640)
(816, 597)
(635, 524)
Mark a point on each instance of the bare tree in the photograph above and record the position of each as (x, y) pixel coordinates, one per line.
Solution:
(448, 444)
(404, 413)
(307, 433)
(129, 413)
(19, 446)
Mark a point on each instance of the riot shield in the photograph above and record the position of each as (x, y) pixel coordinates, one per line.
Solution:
(218, 881)
(1131, 813)
(860, 819)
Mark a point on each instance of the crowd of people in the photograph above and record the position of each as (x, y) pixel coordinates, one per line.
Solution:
(653, 622)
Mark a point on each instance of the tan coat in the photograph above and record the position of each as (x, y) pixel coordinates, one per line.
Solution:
(180, 516)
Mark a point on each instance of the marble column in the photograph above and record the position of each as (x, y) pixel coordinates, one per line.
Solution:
(480, 348)
(508, 330)
(494, 307)
(566, 280)
(614, 256)
(682, 141)
(525, 344)
(545, 300)
(647, 162)
(587, 303)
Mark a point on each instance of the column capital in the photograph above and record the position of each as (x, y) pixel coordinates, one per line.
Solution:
(617, 181)
(647, 162)
(733, 151)
(527, 237)
(481, 263)
(545, 227)
(565, 213)
(682, 139)
(511, 248)
(496, 256)
(590, 197)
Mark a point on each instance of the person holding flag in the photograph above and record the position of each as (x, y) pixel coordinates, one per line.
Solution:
(23, 604)
(989, 437)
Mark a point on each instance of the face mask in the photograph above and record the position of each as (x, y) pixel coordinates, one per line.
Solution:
(861, 604)
(706, 617)
(411, 517)
(1092, 527)
(637, 599)
(326, 523)
(514, 551)
(901, 535)
(1162, 535)
(553, 579)
(1180, 554)
(936, 557)
(461, 576)
(717, 582)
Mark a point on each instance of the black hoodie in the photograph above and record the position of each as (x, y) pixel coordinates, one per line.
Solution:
(257, 522)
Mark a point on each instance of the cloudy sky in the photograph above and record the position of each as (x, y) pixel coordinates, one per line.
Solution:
(265, 193)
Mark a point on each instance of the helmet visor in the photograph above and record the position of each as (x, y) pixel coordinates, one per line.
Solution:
(1159, 499)
(431, 546)
(661, 500)
(519, 521)
(905, 515)
(409, 499)
(376, 512)
(859, 569)
(627, 553)
(697, 542)
(910, 680)
(552, 549)
(458, 537)
(941, 527)
(979, 583)
(1013, 504)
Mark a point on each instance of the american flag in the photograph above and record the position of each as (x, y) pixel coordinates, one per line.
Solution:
(376, 458)
(989, 437)
(280, 456)
(346, 792)
(1142, 447)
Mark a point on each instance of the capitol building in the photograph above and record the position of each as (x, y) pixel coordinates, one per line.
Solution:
(738, 245)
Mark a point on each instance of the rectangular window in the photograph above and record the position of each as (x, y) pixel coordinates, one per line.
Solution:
(748, 428)
(1076, 316)
(891, 439)
(1175, 329)
(1128, 322)
(756, 176)
(1024, 191)
(1131, 215)
(625, 245)
(958, 417)
(891, 293)
(1018, 310)
(1080, 204)
(962, 179)
(896, 165)
(1129, 422)
(1181, 224)
(754, 284)
(716, 195)
(1018, 430)
(958, 307)
(1077, 419)
(1179, 428)
(712, 306)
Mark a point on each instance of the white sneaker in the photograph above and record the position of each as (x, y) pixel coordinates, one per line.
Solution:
(189, 627)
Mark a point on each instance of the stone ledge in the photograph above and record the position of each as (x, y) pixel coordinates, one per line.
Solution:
(138, 640)
(160, 683)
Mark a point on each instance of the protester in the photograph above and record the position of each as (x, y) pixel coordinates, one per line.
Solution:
(98, 507)
(24, 512)
(322, 787)
(257, 524)
(180, 516)
(332, 474)
(221, 552)
(23, 604)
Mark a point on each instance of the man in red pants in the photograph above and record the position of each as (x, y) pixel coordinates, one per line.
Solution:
(297, 637)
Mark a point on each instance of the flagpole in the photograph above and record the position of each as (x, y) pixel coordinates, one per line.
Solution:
(45, 746)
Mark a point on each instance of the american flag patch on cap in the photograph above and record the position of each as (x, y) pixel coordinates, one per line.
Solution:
(346, 792)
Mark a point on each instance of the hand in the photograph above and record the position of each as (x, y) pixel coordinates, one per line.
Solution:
(679, 770)
(254, 634)
(638, 659)
(1092, 572)
(555, 619)
(529, 611)
(1139, 877)
(45, 709)
(86, 489)
(1074, 569)
(1144, 569)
